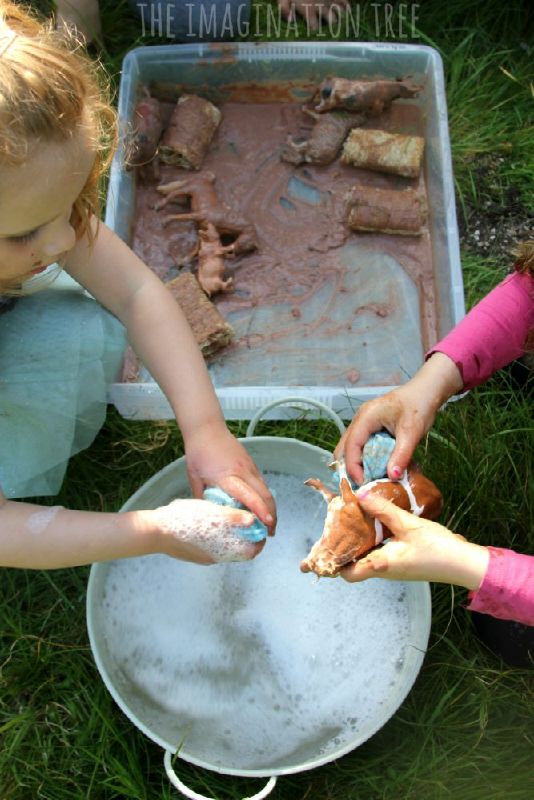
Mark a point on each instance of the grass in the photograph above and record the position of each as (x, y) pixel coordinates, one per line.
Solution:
(465, 730)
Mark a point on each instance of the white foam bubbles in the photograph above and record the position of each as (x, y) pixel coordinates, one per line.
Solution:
(38, 522)
(256, 664)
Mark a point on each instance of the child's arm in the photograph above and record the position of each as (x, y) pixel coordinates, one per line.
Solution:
(161, 336)
(507, 589)
(495, 331)
(52, 537)
(502, 582)
(492, 334)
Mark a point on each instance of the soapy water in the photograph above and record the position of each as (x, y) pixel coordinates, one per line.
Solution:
(256, 665)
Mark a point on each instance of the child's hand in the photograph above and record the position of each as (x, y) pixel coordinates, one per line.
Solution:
(407, 413)
(216, 458)
(203, 532)
(313, 10)
(420, 550)
(406, 417)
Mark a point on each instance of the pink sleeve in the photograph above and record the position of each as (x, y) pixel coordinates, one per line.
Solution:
(507, 590)
(494, 332)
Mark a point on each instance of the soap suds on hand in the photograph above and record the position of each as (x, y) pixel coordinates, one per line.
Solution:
(200, 523)
(38, 522)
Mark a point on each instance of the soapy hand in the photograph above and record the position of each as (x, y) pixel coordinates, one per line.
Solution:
(216, 458)
(204, 532)
(313, 10)
(419, 550)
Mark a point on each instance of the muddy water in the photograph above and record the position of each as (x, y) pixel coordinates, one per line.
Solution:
(317, 303)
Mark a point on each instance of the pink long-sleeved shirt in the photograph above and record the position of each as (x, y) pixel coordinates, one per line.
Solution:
(494, 333)
(507, 590)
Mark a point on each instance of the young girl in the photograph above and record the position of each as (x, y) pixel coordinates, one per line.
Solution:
(58, 349)
(495, 332)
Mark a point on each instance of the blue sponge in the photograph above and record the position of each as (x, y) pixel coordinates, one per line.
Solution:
(376, 453)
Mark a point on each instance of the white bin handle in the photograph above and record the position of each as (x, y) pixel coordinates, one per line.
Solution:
(297, 400)
(175, 780)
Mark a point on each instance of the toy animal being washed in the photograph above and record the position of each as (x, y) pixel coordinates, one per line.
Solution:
(367, 97)
(349, 532)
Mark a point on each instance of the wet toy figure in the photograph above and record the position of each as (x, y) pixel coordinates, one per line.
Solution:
(325, 140)
(210, 261)
(148, 126)
(368, 97)
(349, 532)
(207, 208)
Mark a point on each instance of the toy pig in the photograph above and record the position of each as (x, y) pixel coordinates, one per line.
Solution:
(349, 532)
(210, 261)
(367, 97)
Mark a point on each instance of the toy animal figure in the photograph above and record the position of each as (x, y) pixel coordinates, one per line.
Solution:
(205, 207)
(367, 97)
(210, 265)
(349, 532)
(142, 148)
(325, 140)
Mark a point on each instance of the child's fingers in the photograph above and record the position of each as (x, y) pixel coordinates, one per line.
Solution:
(255, 481)
(249, 497)
(396, 519)
(197, 485)
(405, 444)
(237, 517)
(350, 446)
(373, 565)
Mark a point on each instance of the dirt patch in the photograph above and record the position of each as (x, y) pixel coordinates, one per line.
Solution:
(500, 220)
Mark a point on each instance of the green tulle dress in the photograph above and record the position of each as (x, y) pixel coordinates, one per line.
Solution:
(59, 349)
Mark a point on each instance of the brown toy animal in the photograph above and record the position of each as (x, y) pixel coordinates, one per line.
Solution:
(210, 267)
(207, 208)
(147, 128)
(367, 97)
(349, 532)
(324, 141)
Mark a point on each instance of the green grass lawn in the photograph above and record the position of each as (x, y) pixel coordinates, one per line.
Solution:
(466, 730)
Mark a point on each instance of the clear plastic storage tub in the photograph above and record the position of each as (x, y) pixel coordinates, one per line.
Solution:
(345, 343)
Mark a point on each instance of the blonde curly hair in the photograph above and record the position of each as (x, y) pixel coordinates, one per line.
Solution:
(48, 88)
(524, 254)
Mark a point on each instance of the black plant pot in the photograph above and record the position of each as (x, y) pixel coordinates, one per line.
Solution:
(511, 641)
